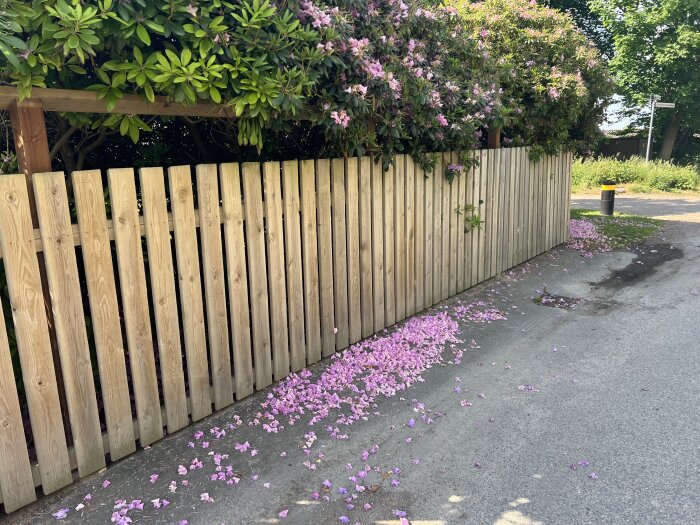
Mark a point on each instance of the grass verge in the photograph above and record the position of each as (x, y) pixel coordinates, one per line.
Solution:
(621, 230)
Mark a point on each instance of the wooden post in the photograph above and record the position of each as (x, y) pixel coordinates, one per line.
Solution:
(494, 138)
(31, 143)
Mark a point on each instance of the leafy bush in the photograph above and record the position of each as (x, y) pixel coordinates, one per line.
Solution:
(646, 176)
(381, 75)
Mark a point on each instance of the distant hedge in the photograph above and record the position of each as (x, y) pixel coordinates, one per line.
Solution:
(644, 176)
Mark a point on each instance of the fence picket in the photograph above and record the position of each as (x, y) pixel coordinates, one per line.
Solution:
(234, 240)
(215, 292)
(325, 255)
(400, 236)
(69, 320)
(257, 274)
(410, 239)
(109, 345)
(353, 221)
(420, 239)
(429, 219)
(340, 269)
(389, 248)
(16, 482)
(160, 258)
(190, 285)
(309, 240)
(454, 219)
(366, 296)
(445, 228)
(277, 284)
(378, 248)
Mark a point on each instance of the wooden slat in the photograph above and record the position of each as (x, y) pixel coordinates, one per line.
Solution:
(410, 195)
(483, 196)
(190, 286)
(325, 255)
(31, 332)
(495, 214)
(257, 274)
(132, 278)
(523, 163)
(475, 193)
(277, 284)
(532, 235)
(454, 218)
(309, 239)
(378, 247)
(352, 190)
(340, 247)
(446, 216)
(160, 259)
(494, 157)
(366, 295)
(513, 218)
(389, 248)
(461, 237)
(99, 273)
(214, 283)
(429, 219)
(420, 239)
(69, 320)
(16, 482)
(293, 261)
(468, 179)
(504, 210)
(234, 240)
(567, 209)
(438, 182)
(400, 236)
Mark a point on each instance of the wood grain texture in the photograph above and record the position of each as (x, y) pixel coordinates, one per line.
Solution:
(294, 267)
(438, 183)
(461, 236)
(239, 307)
(366, 295)
(325, 255)
(420, 239)
(31, 332)
(190, 287)
(163, 293)
(104, 311)
(257, 274)
(410, 199)
(277, 282)
(468, 180)
(378, 247)
(132, 277)
(69, 320)
(400, 236)
(454, 217)
(446, 217)
(214, 283)
(352, 192)
(16, 482)
(429, 218)
(340, 250)
(483, 199)
(309, 241)
(389, 248)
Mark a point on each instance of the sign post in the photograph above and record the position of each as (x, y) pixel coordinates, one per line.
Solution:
(655, 104)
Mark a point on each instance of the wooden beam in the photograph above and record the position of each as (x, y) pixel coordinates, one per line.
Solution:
(82, 101)
(494, 138)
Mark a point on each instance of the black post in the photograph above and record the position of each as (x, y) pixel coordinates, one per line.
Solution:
(607, 199)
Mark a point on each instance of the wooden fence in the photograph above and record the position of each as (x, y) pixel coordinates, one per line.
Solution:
(247, 273)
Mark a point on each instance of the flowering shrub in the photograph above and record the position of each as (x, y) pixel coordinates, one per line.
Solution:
(385, 76)
(554, 83)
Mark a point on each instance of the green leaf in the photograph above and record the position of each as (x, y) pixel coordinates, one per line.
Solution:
(73, 42)
(143, 35)
(9, 55)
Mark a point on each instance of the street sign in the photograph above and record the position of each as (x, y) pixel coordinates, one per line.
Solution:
(665, 105)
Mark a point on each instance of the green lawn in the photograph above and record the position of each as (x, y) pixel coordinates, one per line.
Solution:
(622, 230)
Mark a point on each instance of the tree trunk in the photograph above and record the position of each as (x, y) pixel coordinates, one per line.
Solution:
(670, 134)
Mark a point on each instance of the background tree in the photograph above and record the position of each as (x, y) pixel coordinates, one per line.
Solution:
(657, 49)
(587, 21)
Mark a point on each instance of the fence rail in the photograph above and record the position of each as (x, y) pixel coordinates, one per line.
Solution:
(248, 272)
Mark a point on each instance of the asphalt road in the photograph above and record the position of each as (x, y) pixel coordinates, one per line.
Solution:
(612, 384)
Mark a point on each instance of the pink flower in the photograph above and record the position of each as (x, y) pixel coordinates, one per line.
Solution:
(283, 514)
(182, 470)
(60, 514)
(442, 120)
(341, 118)
(154, 478)
(204, 496)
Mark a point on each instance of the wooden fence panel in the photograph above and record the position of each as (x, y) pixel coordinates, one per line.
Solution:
(400, 236)
(468, 180)
(277, 283)
(309, 243)
(160, 262)
(410, 239)
(104, 311)
(215, 292)
(483, 178)
(234, 237)
(454, 219)
(461, 236)
(522, 165)
(16, 482)
(445, 233)
(340, 246)
(257, 274)
(132, 278)
(366, 296)
(353, 222)
(294, 266)
(476, 232)
(438, 184)
(69, 320)
(420, 239)
(325, 254)
(190, 285)
(504, 210)
(378, 248)
(389, 247)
